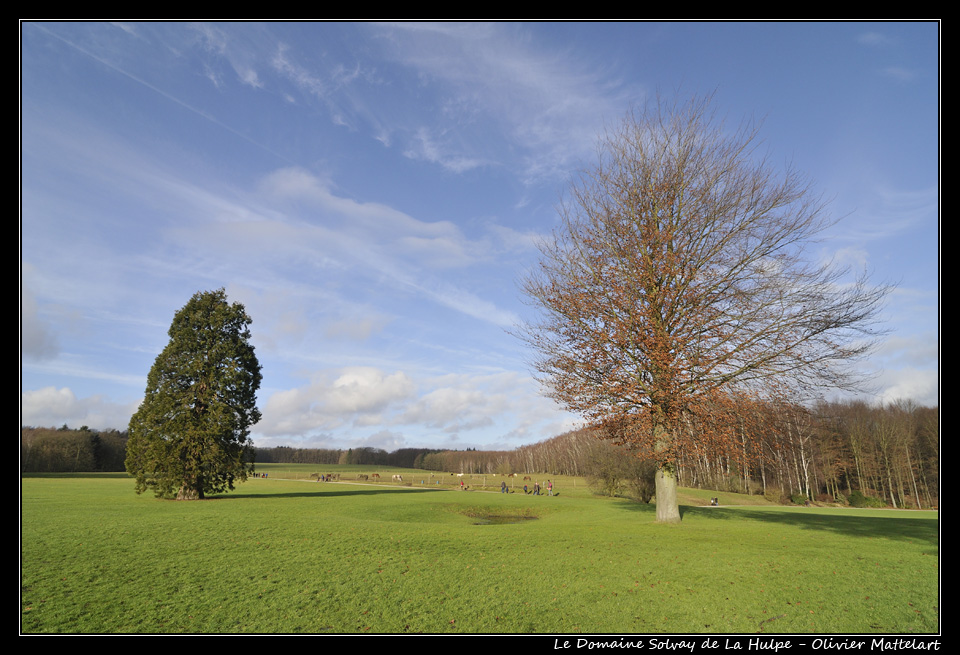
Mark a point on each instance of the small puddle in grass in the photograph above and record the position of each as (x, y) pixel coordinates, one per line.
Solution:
(502, 520)
(496, 516)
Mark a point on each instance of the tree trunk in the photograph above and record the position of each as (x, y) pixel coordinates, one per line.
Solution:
(191, 490)
(668, 509)
(186, 493)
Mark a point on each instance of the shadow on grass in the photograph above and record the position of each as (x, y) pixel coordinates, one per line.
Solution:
(909, 527)
(839, 521)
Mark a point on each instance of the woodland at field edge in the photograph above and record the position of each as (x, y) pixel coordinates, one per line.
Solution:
(872, 456)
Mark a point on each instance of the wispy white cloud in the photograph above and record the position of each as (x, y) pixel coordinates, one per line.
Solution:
(466, 302)
(356, 327)
(875, 39)
(374, 220)
(492, 75)
(129, 28)
(239, 55)
(911, 352)
(301, 77)
(893, 212)
(427, 147)
(901, 73)
(37, 339)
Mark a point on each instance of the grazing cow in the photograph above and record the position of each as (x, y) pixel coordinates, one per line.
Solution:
(398, 478)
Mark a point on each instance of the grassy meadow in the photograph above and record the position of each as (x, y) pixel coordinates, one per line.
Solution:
(288, 554)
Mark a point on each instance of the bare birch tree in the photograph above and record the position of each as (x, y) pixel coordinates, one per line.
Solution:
(681, 271)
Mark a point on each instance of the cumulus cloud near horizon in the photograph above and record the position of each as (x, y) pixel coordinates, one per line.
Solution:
(61, 405)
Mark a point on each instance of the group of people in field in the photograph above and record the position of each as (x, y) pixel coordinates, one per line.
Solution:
(526, 489)
(536, 489)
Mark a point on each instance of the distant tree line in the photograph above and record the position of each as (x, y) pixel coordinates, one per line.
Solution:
(58, 450)
(833, 451)
(364, 456)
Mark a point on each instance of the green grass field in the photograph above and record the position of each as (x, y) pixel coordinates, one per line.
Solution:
(293, 555)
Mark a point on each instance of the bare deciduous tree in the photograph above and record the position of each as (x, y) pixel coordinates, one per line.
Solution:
(680, 272)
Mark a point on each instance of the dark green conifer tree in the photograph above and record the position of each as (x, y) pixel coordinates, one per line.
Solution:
(190, 436)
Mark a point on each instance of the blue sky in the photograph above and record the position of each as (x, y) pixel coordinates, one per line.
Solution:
(372, 192)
